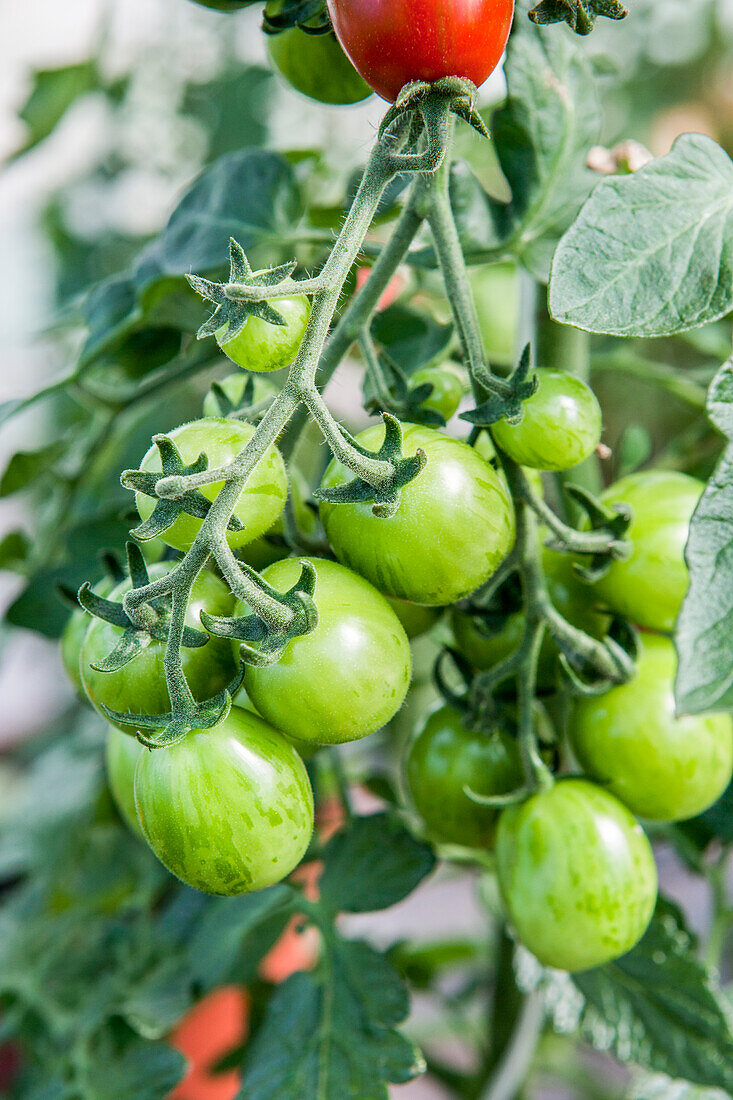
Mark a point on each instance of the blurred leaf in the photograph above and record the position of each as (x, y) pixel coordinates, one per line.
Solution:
(26, 466)
(52, 93)
(412, 339)
(633, 449)
(232, 108)
(332, 1035)
(651, 253)
(14, 548)
(373, 864)
(134, 1071)
(704, 635)
(220, 940)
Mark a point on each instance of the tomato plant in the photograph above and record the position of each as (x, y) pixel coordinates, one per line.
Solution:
(347, 677)
(663, 767)
(577, 875)
(260, 503)
(386, 576)
(459, 493)
(391, 44)
(227, 810)
(446, 758)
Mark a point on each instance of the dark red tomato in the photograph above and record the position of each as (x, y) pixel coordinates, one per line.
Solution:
(391, 42)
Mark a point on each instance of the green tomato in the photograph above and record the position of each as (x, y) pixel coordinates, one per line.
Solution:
(266, 550)
(74, 633)
(121, 754)
(662, 767)
(577, 875)
(561, 425)
(139, 687)
(496, 294)
(445, 758)
(345, 679)
(234, 387)
(261, 346)
(315, 65)
(228, 810)
(416, 618)
(454, 524)
(649, 588)
(448, 388)
(484, 648)
(260, 502)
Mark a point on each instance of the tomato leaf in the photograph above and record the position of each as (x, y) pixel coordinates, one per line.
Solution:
(332, 1035)
(25, 467)
(704, 634)
(657, 1006)
(135, 1070)
(373, 864)
(411, 339)
(651, 253)
(52, 94)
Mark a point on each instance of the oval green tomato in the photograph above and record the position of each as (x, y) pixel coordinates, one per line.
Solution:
(271, 546)
(229, 809)
(664, 768)
(577, 875)
(121, 754)
(561, 425)
(139, 686)
(261, 346)
(316, 66)
(260, 502)
(447, 388)
(345, 679)
(416, 618)
(454, 524)
(650, 586)
(234, 386)
(447, 757)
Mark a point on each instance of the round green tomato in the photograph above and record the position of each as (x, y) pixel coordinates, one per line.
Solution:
(74, 633)
(650, 586)
(261, 346)
(229, 809)
(234, 386)
(448, 388)
(316, 66)
(445, 758)
(416, 618)
(345, 679)
(260, 502)
(485, 648)
(662, 767)
(577, 875)
(267, 549)
(121, 754)
(139, 687)
(454, 524)
(496, 294)
(561, 425)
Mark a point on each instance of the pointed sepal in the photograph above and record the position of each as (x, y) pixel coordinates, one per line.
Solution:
(505, 397)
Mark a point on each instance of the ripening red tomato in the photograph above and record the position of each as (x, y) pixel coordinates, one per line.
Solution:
(391, 42)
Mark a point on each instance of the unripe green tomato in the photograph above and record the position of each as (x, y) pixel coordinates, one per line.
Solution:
(139, 687)
(496, 294)
(448, 388)
(416, 618)
(574, 600)
(121, 754)
(662, 767)
(229, 809)
(650, 586)
(315, 65)
(561, 425)
(221, 440)
(445, 758)
(454, 524)
(260, 346)
(577, 875)
(345, 679)
(234, 386)
(74, 633)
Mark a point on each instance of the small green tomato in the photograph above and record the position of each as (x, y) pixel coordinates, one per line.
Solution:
(560, 428)
(260, 346)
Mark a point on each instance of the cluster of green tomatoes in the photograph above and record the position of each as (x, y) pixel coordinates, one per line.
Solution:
(230, 809)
